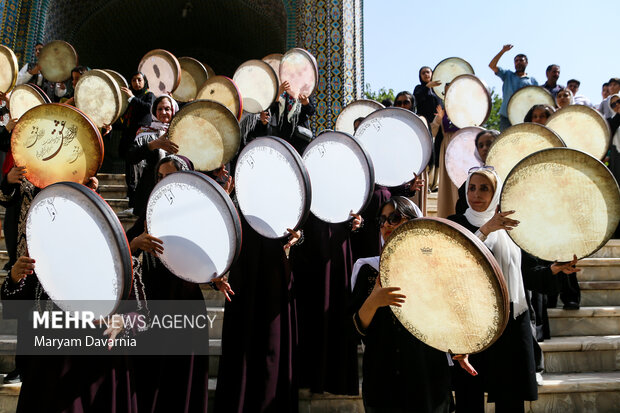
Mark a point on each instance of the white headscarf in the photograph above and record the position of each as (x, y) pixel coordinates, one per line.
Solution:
(506, 252)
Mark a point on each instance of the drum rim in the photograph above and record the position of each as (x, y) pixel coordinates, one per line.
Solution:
(210, 72)
(210, 104)
(230, 207)
(115, 227)
(118, 78)
(269, 70)
(484, 252)
(32, 88)
(365, 155)
(524, 125)
(12, 58)
(197, 64)
(303, 173)
(443, 85)
(116, 90)
(310, 58)
(586, 109)
(453, 139)
(546, 93)
(270, 56)
(239, 98)
(429, 156)
(598, 163)
(70, 48)
(363, 100)
(172, 59)
(488, 95)
(87, 118)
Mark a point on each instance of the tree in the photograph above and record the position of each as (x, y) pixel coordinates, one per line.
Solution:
(378, 95)
(496, 103)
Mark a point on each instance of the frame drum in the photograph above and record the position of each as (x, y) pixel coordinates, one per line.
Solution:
(207, 132)
(461, 154)
(193, 76)
(57, 142)
(517, 142)
(83, 257)
(583, 128)
(97, 94)
(567, 203)
(8, 69)
(457, 300)
(299, 68)
(357, 109)
(57, 59)
(163, 71)
(523, 99)
(198, 224)
(120, 82)
(399, 144)
(468, 102)
(25, 97)
(210, 71)
(274, 61)
(448, 69)
(258, 85)
(341, 175)
(272, 186)
(223, 90)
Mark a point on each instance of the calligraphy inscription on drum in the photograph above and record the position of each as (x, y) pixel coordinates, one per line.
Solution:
(463, 308)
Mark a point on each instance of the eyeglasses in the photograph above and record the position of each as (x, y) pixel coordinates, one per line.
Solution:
(480, 168)
(402, 102)
(614, 103)
(392, 219)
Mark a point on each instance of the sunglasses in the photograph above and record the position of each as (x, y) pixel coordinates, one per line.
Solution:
(480, 168)
(402, 102)
(614, 103)
(392, 219)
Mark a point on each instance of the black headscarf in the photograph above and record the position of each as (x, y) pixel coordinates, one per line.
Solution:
(426, 99)
(144, 89)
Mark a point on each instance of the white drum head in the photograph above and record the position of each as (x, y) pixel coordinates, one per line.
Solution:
(272, 186)
(399, 144)
(163, 71)
(258, 85)
(354, 110)
(523, 99)
(98, 95)
(82, 256)
(341, 175)
(23, 98)
(468, 102)
(461, 154)
(448, 69)
(198, 224)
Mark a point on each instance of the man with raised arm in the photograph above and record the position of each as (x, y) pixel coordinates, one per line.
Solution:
(513, 81)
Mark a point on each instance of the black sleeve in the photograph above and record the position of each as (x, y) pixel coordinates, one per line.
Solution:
(9, 193)
(5, 140)
(142, 104)
(614, 123)
(537, 275)
(363, 287)
(138, 151)
(461, 203)
(306, 112)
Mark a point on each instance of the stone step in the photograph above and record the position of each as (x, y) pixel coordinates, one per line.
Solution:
(587, 321)
(111, 179)
(118, 205)
(113, 191)
(599, 269)
(581, 354)
(600, 293)
(610, 250)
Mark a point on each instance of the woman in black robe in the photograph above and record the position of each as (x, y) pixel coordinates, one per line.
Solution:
(174, 383)
(401, 373)
(614, 147)
(427, 102)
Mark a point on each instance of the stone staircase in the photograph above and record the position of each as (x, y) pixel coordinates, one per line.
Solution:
(582, 358)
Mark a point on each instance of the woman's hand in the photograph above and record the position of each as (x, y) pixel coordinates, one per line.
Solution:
(107, 129)
(92, 183)
(264, 117)
(16, 174)
(284, 87)
(115, 327)
(304, 99)
(463, 360)
(70, 101)
(11, 124)
(221, 284)
(382, 297)
(147, 243)
(357, 221)
(127, 91)
(417, 184)
(565, 267)
(164, 143)
(23, 267)
(433, 83)
(35, 70)
(293, 238)
(499, 221)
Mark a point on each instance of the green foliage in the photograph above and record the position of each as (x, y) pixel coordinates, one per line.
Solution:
(493, 121)
(379, 95)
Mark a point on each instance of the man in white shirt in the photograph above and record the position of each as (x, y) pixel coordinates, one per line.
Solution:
(573, 86)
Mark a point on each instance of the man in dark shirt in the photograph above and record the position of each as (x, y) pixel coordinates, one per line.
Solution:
(553, 74)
